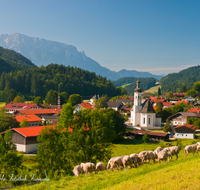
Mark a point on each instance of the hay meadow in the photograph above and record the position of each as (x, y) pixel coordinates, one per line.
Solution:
(183, 173)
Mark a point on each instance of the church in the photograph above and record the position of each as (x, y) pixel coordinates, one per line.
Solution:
(143, 114)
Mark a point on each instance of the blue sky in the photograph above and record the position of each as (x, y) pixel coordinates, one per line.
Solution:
(146, 35)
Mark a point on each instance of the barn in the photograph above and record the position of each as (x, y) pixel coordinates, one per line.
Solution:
(185, 131)
(25, 139)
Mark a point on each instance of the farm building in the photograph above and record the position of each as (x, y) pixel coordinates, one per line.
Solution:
(138, 134)
(25, 139)
(185, 131)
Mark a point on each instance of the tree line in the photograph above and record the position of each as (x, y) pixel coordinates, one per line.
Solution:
(35, 82)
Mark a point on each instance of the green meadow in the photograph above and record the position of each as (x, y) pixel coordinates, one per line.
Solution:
(2, 104)
(153, 89)
(183, 173)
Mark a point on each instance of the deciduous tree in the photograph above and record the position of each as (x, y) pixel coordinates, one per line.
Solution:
(75, 99)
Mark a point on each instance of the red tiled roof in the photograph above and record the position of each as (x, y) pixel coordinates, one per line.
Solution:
(29, 131)
(87, 105)
(186, 125)
(184, 102)
(195, 110)
(167, 104)
(19, 106)
(40, 111)
(127, 109)
(30, 118)
(34, 131)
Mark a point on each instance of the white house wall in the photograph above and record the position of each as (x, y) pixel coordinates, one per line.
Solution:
(26, 148)
(184, 136)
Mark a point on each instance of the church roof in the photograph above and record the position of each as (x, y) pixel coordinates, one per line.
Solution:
(147, 108)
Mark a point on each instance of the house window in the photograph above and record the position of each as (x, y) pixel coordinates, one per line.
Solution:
(144, 120)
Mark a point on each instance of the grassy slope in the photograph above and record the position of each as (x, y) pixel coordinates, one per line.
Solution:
(2, 104)
(153, 175)
(125, 85)
(153, 89)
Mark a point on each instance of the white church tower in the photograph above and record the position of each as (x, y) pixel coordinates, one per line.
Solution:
(135, 112)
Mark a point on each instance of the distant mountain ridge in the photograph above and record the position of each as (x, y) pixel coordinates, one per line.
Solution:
(44, 52)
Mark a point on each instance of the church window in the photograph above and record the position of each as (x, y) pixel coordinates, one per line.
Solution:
(149, 121)
(144, 121)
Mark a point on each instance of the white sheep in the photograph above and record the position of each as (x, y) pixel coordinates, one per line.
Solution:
(100, 167)
(190, 149)
(111, 164)
(127, 161)
(144, 156)
(135, 159)
(77, 170)
(88, 167)
(162, 155)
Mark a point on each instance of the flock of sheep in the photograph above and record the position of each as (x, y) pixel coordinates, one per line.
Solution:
(135, 159)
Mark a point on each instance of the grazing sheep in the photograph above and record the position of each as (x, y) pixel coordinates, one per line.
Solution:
(198, 143)
(162, 155)
(190, 149)
(77, 170)
(174, 150)
(151, 156)
(143, 156)
(127, 161)
(198, 148)
(111, 164)
(135, 160)
(88, 167)
(118, 162)
(158, 149)
(100, 167)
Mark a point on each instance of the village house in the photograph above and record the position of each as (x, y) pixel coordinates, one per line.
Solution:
(32, 119)
(93, 99)
(115, 105)
(39, 112)
(13, 107)
(50, 119)
(83, 105)
(180, 118)
(185, 131)
(126, 101)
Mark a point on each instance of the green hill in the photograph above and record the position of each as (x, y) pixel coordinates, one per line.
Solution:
(129, 83)
(10, 61)
(174, 81)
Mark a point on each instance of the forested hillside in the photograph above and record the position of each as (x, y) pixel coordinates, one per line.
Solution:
(145, 83)
(38, 81)
(173, 82)
(5, 66)
(14, 59)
